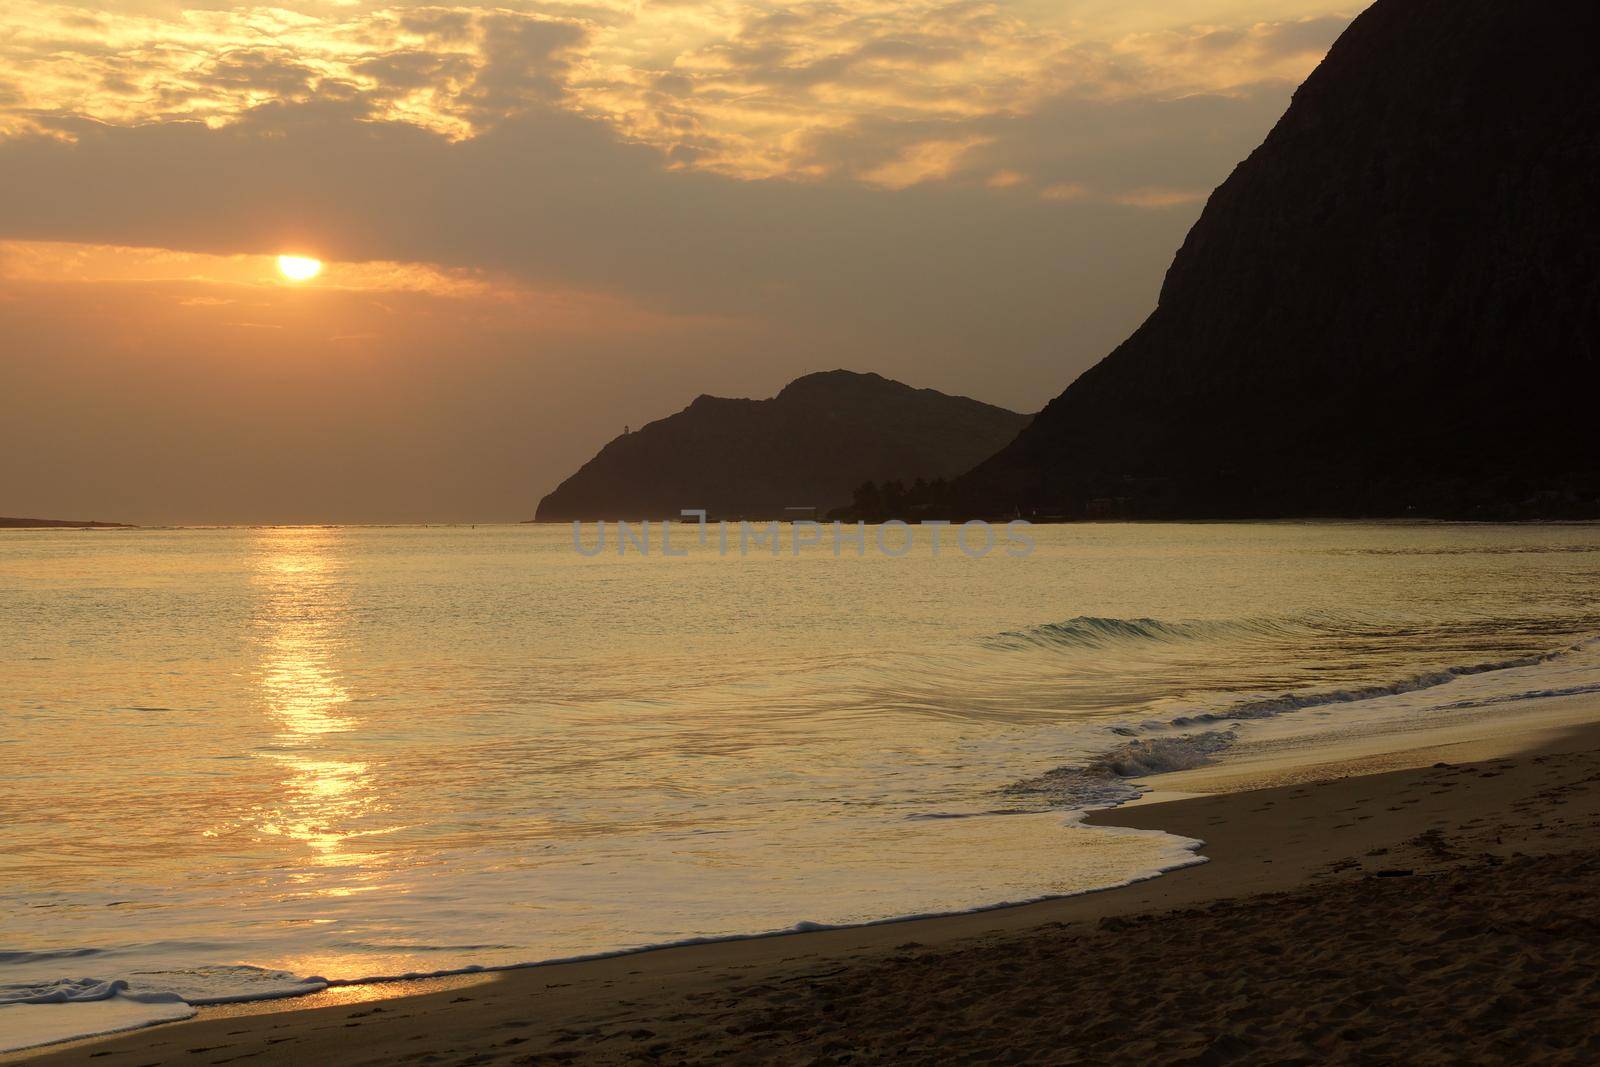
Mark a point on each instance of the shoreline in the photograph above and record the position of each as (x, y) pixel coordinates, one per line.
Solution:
(1254, 839)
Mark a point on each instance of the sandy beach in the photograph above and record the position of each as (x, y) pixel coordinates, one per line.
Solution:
(1444, 911)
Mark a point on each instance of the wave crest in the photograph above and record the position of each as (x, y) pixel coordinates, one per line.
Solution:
(1103, 780)
(1266, 707)
(1094, 631)
(1090, 631)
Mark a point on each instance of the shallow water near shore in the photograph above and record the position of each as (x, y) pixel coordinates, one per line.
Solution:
(238, 759)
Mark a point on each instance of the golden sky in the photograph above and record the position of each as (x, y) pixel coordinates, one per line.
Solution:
(545, 220)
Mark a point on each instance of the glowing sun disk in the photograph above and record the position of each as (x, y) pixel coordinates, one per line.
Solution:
(299, 268)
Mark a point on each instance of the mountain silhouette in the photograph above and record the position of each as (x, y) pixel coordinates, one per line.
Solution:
(1390, 308)
(808, 447)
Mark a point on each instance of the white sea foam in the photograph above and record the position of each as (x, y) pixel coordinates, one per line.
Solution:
(1266, 707)
(67, 1008)
(1104, 779)
(1101, 781)
(196, 985)
(61, 1009)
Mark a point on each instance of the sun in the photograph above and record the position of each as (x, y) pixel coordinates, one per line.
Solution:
(299, 268)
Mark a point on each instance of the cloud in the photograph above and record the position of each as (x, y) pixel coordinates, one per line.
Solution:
(438, 24)
(268, 72)
(1017, 231)
(523, 64)
(1156, 198)
(449, 70)
(409, 70)
(550, 198)
(821, 89)
(1231, 56)
(68, 263)
(921, 162)
(743, 87)
(1113, 150)
(1058, 190)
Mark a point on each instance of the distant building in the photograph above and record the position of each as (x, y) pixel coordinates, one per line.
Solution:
(1109, 507)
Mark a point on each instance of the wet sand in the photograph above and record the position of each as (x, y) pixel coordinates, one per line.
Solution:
(1447, 912)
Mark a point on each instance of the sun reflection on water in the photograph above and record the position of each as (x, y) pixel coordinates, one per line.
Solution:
(326, 795)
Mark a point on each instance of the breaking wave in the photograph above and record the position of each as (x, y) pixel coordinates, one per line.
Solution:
(60, 1009)
(193, 985)
(1105, 780)
(1266, 707)
(1088, 631)
(1093, 631)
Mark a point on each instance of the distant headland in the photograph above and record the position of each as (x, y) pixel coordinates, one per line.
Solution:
(75, 524)
(800, 454)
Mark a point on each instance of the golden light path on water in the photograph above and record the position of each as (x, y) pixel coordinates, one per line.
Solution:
(303, 613)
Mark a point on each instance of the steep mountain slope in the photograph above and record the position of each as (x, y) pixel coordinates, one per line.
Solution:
(809, 446)
(1391, 307)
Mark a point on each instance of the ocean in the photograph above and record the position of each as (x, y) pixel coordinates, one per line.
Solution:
(243, 763)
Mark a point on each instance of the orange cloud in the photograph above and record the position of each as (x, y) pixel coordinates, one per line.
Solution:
(57, 261)
(222, 285)
(742, 87)
(1065, 191)
(921, 162)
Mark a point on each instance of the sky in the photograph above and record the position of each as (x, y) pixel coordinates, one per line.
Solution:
(540, 222)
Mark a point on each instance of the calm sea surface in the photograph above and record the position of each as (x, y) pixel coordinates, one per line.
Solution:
(355, 752)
